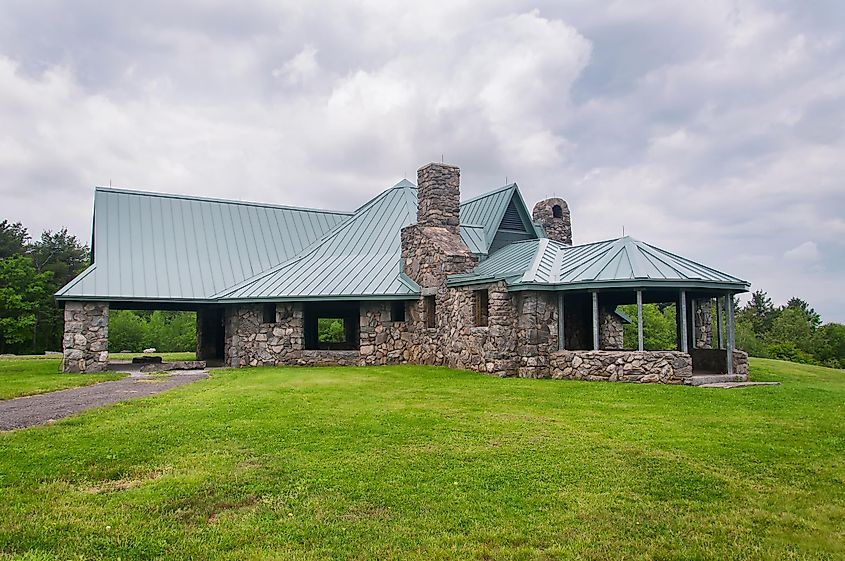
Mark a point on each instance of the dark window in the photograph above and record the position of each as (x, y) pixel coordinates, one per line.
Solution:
(269, 313)
(397, 311)
(557, 212)
(430, 312)
(481, 307)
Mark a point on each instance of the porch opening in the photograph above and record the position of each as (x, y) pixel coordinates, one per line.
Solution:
(332, 326)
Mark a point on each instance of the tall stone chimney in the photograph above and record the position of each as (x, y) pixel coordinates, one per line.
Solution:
(439, 196)
(433, 249)
(553, 214)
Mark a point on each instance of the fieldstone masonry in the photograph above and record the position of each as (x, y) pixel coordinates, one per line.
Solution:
(611, 330)
(86, 337)
(520, 337)
(558, 228)
(668, 367)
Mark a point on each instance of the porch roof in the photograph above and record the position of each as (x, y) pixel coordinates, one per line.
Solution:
(619, 263)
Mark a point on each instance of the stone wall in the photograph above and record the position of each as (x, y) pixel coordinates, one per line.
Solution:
(537, 333)
(668, 367)
(86, 338)
(556, 228)
(251, 342)
(383, 341)
(611, 330)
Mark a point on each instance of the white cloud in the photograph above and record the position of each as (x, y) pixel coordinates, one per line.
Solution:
(807, 252)
(711, 128)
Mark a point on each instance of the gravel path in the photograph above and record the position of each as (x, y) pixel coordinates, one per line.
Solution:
(33, 410)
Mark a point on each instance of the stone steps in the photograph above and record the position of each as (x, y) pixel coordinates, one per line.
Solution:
(702, 379)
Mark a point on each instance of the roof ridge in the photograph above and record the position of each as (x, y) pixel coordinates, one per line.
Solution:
(489, 193)
(98, 188)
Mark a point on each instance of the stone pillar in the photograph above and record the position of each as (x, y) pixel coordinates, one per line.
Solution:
(702, 337)
(611, 332)
(86, 339)
(553, 214)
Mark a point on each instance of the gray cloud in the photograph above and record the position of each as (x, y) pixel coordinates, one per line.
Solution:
(714, 129)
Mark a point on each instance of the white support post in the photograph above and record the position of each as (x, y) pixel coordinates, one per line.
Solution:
(729, 335)
(683, 313)
(561, 341)
(595, 321)
(640, 320)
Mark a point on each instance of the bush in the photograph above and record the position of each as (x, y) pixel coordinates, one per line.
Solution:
(788, 351)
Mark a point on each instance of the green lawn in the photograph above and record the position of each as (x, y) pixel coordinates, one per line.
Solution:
(28, 377)
(428, 463)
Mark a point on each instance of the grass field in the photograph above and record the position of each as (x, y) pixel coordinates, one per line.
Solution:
(34, 374)
(29, 377)
(427, 463)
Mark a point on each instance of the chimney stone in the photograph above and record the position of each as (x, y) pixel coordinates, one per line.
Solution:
(553, 214)
(439, 196)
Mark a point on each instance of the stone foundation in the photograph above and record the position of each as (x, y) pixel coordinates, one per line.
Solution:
(667, 367)
(86, 337)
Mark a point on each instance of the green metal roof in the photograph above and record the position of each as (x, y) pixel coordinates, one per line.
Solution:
(152, 246)
(359, 258)
(488, 210)
(624, 262)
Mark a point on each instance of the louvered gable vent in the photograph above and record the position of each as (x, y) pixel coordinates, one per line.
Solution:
(511, 220)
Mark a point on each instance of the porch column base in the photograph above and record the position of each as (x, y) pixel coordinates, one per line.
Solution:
(86, 340)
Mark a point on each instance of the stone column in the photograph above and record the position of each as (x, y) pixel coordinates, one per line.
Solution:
(702, 337)
(611, 331)
(86, 339)
(553, 214)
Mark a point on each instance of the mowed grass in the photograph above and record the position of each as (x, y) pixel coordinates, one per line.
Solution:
(28, 377)
(428, 463)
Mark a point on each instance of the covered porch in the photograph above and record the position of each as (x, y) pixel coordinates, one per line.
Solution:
(704, 349)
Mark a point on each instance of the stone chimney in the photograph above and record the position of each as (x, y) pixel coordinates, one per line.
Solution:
(432, 249)
(439, 196)
(553, 214)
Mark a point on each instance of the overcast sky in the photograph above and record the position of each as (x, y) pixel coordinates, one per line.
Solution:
(714, 129)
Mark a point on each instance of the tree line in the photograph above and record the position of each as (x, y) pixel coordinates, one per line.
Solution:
(792, 332)
(32, 322)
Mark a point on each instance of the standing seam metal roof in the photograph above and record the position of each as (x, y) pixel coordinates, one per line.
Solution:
(152, 246)
(620, 262)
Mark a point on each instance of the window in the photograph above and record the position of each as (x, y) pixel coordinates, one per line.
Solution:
(557, 212)
(397, 311)
(332, 326)
(331, 330)
(269, 313)
(430, 312)
(481, 306)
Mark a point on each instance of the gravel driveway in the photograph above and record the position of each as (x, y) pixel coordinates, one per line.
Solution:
(33, 410)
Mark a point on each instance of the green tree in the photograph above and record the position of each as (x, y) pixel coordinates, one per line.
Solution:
(22, 291)
(792, 327)
(747, 339)
(127, 331)
(760, 311)
(13, 239)
(829, 345)
(802, 306)
(659, 327)
(65, 257)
